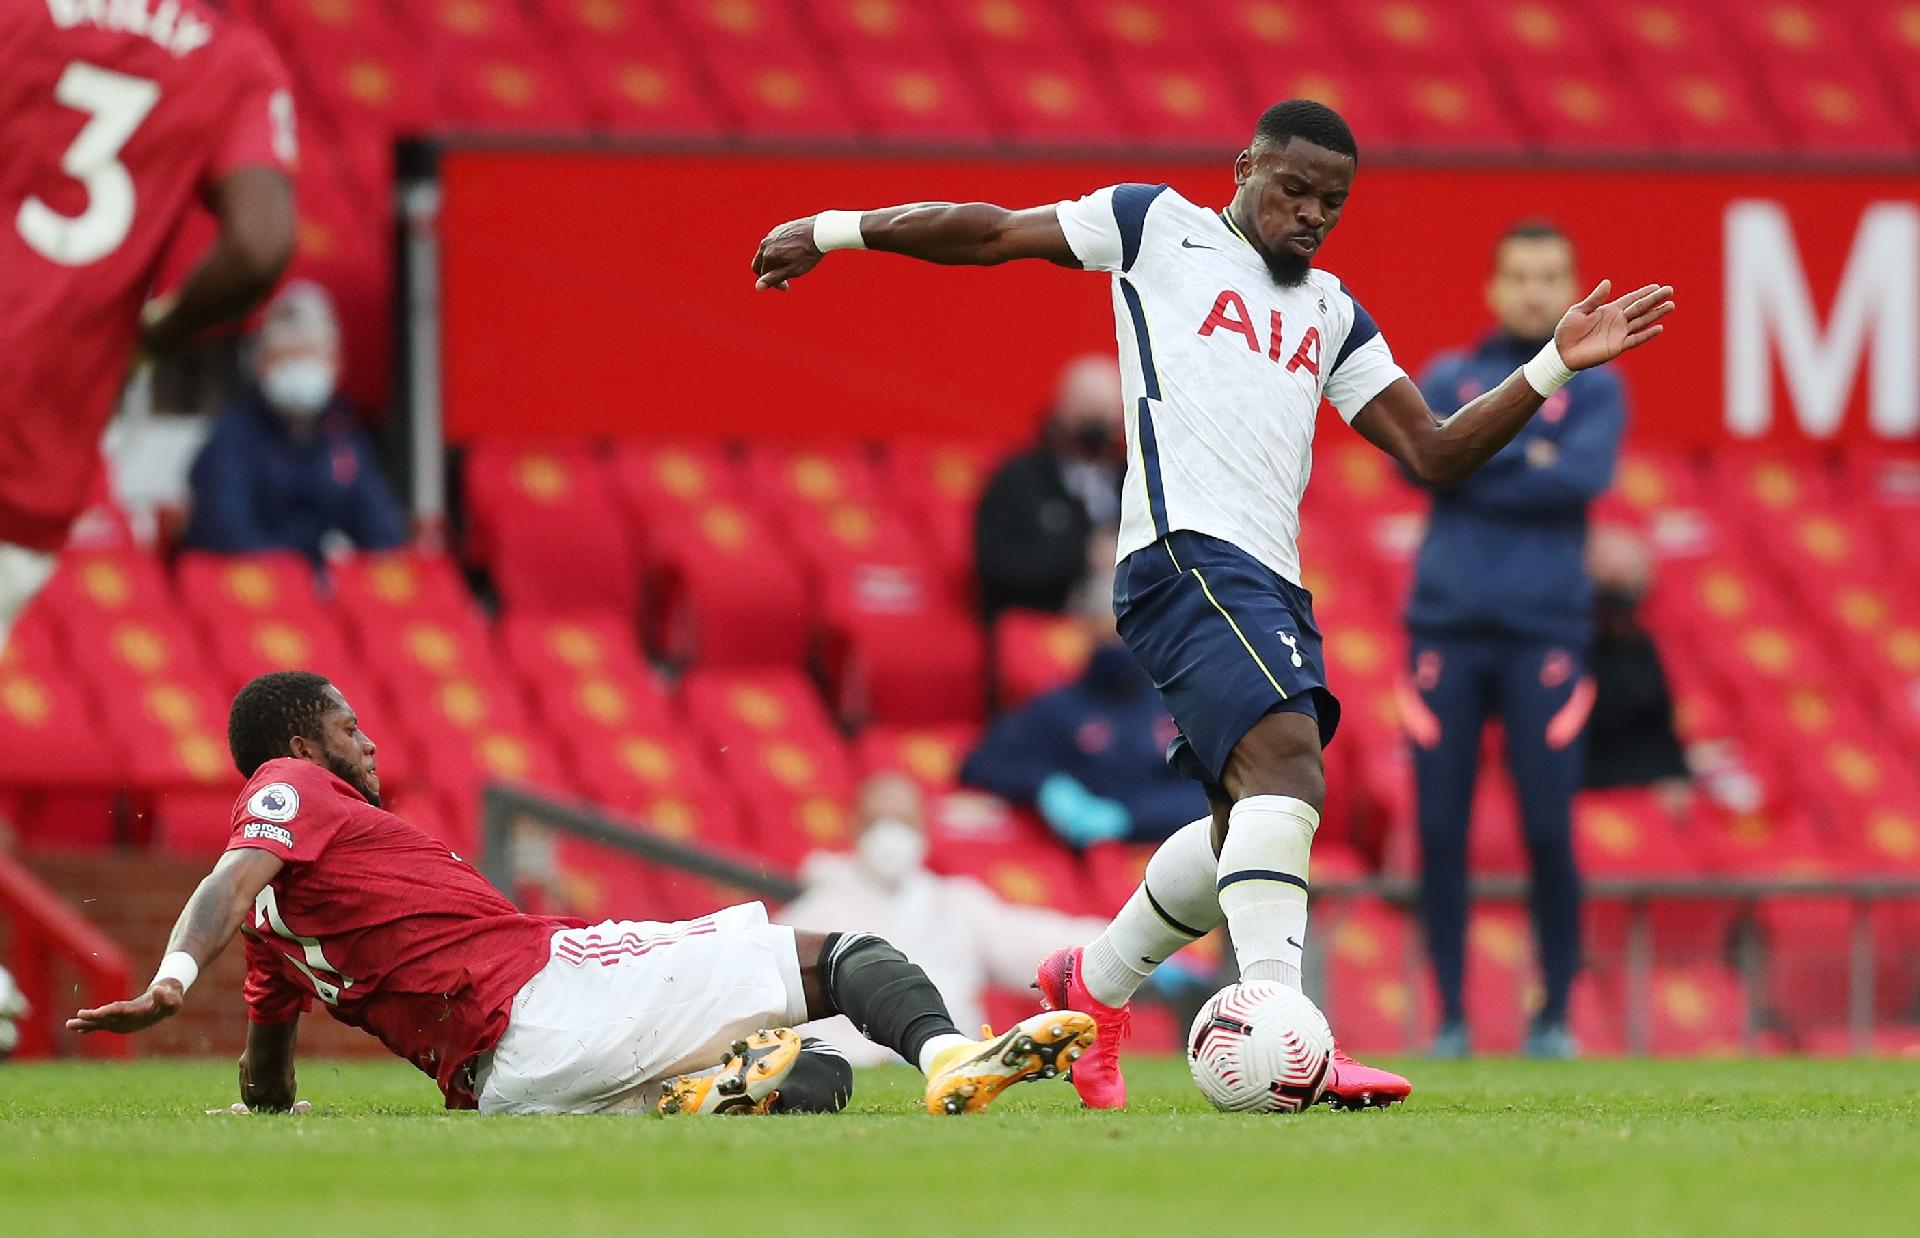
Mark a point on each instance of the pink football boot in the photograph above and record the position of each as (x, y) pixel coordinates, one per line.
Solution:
(1096, 1076)
(1355, 1085)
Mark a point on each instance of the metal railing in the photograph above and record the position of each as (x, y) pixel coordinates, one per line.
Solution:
(507, 812)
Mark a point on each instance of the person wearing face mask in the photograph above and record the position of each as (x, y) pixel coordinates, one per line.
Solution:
(1631, 741)
(1500, 622)
(1039, 508)
(1090, 757)
(286, 467)
(962, 934)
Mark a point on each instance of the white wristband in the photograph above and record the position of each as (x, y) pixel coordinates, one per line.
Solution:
(178, 966)
(1546, 373)
(837, 230)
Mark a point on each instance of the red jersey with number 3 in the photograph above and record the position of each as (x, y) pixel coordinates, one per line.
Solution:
(116, 116)
(391, 931)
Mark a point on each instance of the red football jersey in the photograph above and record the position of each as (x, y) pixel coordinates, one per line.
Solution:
(395, 934)
(114, 120)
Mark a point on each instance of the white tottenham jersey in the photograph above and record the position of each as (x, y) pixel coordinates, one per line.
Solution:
(1224, 370)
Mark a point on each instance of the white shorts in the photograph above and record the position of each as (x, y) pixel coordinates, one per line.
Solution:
(625, 1004)
(23, 573)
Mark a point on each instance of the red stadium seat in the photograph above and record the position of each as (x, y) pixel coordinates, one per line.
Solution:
(906, 668)
(1793, 32)
(1889, 32)
(917, 92)
(795, 789)
(862, 28)
(997, 28)
(1695, 1011)
(628, 25)
(1703, 106)
(1499, 976)
(105, 584)
(1664, 32)
(737, 27)
(1450, 105)
(1272, 32)
(939, 485)
(1538, 34)
(1839, 106)
(659, 483)
(506, 86)
(479, 22)
(364, 77)
(811, 477)
(245, 645)
(725, 592)
(1579, 107)
(931, 755)
(216, 586)
(786, 90)
(1055, 96)
(426, 649)
(1135, 29)
(734, 706)
(463, 705)
(174, 732)
(1628, 833)
(1182, 95)
(1331, 79)
(1035, 653)
(374, 590)
(1040, 875)
(1404, 33)
(50, 734)
(1375, 991)
(649, 88)
(599, 702)
(563, 648)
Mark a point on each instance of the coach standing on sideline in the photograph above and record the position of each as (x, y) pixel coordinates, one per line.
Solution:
(1499, 624)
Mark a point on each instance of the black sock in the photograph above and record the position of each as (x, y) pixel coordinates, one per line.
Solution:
(821, 1081)
(886, 996)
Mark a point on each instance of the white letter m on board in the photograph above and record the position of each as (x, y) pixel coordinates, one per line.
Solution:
(1875, 320)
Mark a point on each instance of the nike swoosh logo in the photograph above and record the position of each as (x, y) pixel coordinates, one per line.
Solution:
(1187, 243)
(1151, 962)
(1296, 945)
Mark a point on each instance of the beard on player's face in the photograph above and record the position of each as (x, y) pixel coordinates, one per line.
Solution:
(352, 772)
(1287, 268)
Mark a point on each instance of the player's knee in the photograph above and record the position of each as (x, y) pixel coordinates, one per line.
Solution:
(855, 965)
(1280, 756)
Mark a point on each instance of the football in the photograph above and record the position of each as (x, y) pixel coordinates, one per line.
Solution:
(1260, 1048)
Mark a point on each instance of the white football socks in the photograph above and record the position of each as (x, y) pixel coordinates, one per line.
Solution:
(1173, 907)
(935, 1046)
(1263, 884)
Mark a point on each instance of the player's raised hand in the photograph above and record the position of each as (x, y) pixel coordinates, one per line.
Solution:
(1597, 330)
(788, 252)
(157, 1004)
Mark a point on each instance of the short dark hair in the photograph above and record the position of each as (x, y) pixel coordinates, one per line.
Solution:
(1308, 120)
(270, 711)
(1536, 228)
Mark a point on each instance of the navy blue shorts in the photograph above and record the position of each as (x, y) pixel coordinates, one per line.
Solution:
(1226, 640)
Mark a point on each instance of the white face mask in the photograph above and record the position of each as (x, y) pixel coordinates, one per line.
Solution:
(891, 851)
(302, 386)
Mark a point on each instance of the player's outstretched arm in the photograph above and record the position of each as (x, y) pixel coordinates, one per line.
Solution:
(950, 233)
(266, 1068)
(1442, 452)
(214, 913)
(254, 207)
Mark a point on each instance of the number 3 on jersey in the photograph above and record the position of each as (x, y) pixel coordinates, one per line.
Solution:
(266, 914)
(115, 105)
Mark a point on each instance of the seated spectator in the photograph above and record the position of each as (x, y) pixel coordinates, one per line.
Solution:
(1630, 737)
(1091, 757)
(1038, 509)
(287, 467)
(966, 937)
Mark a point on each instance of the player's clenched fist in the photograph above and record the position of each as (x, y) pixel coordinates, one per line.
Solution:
(788, 252)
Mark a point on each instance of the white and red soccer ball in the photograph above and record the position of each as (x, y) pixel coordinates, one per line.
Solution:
(1260, 1048)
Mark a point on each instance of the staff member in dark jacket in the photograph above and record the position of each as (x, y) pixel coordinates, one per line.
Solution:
(1041, 506)
(286, 467)
(1500, 623)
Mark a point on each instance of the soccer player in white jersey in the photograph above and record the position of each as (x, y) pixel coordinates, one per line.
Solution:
(1229, 340)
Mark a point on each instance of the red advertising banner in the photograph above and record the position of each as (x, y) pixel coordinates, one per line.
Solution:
(608, 293)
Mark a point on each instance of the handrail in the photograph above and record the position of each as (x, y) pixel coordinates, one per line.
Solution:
(45, 926)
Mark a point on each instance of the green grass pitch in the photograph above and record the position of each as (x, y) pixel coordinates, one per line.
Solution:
(1486, 1148)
